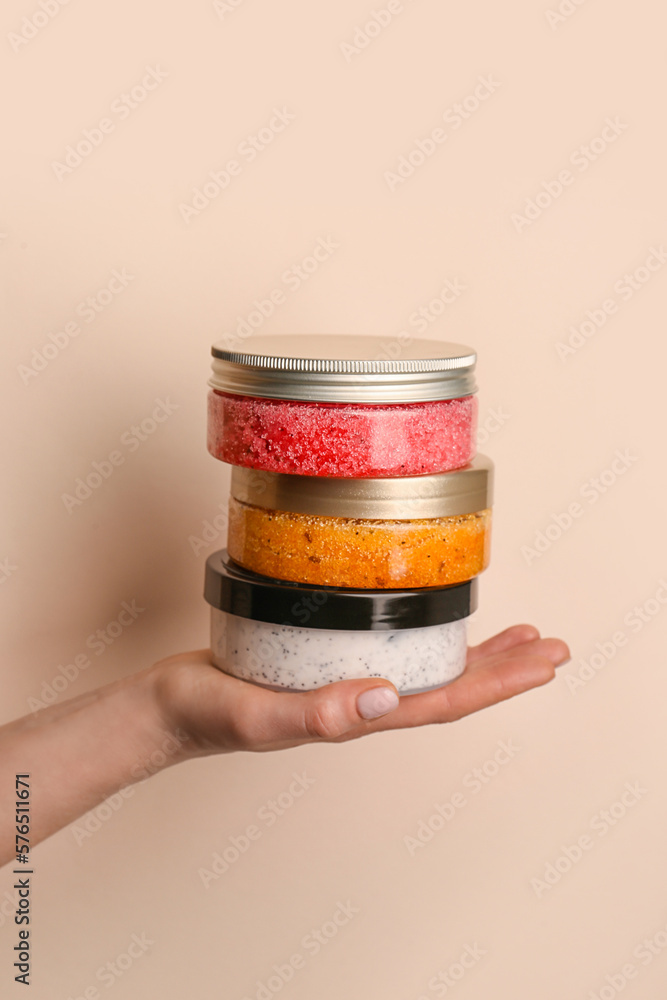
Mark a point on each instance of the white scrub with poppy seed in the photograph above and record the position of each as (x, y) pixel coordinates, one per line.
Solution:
(300, 659)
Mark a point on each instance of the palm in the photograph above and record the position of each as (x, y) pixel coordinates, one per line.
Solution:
(222, 713)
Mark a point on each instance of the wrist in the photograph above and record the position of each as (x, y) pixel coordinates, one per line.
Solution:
(191, 701)
(85, 750)
(167, 740)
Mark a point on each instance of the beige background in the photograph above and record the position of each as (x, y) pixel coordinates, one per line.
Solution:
(563, 420)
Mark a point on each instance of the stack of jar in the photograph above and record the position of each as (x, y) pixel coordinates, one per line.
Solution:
(359, 515)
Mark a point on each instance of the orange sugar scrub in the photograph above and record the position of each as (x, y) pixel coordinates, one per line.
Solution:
(421, 531)
(349, 552)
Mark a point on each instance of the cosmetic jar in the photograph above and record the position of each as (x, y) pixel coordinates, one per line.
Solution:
(293, 637)
(343, 406)
(418, 531)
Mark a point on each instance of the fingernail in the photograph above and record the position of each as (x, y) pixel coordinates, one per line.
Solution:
(376, 702)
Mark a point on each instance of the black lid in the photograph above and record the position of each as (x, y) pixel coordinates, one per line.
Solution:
(231, 588)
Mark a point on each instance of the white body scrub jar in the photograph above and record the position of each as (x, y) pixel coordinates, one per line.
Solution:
(297, 637)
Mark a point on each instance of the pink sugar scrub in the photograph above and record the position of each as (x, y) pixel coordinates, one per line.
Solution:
(342, 440)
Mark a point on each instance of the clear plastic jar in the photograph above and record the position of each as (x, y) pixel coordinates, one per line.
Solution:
(427, 531)
(289, 637)
(336, 407)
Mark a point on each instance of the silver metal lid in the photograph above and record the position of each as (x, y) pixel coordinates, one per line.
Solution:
(446, 494)
(345, 369)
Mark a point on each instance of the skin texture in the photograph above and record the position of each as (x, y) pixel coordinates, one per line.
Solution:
(86, 749)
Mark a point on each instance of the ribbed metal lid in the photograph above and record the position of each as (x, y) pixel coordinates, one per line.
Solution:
(446, 494)
(239, 592)
(341, 369)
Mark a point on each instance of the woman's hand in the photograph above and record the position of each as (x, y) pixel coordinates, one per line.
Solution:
(80, 752)
(221, 714)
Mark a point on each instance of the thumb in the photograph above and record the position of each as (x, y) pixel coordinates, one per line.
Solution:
(331, 711)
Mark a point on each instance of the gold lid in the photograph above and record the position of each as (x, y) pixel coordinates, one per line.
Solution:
(446, 494)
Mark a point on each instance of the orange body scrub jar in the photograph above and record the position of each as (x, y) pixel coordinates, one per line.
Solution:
(410, 532)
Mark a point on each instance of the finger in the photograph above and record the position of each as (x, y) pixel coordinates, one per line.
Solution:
(226, 713)
(273, 719)
(496, 680)
(492, 684)
(516, 635)
(554, 649)
(337, 712)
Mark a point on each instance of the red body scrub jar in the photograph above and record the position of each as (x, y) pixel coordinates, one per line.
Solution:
(343, 407)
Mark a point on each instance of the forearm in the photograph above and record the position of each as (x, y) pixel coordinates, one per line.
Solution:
(79, 753)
